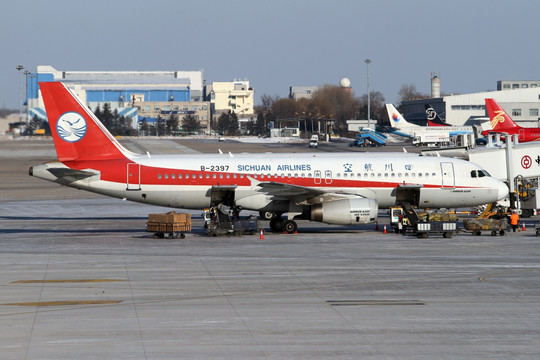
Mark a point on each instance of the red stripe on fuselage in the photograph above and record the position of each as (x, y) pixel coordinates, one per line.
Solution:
(116, 171)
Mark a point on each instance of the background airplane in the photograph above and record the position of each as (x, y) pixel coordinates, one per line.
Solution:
(433, 118)
(402, 127)
(502, 123)
(335, 188)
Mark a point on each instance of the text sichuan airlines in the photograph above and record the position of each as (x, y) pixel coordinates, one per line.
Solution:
(280, 167)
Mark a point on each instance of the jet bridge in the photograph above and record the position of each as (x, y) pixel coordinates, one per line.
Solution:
(516, 164)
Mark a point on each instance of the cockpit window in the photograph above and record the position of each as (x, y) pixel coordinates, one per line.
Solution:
(479, 173)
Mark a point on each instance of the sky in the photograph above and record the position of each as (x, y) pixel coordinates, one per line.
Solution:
(469, 44)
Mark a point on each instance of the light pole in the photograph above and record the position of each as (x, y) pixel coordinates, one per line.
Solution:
(368, 61)
(28, 75)
(20, 67)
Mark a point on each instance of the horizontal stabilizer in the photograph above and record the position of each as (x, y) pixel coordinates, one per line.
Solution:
(66, 175)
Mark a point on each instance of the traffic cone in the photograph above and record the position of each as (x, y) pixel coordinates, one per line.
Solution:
(523, 227)
(384, 230)
(262, 235)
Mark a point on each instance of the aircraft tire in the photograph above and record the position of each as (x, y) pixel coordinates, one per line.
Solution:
(267, 215)
(289, 226)
(275, 224)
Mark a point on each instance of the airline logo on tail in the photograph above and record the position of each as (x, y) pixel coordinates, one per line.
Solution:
(71, 127)
(430, 113)
(498, 118)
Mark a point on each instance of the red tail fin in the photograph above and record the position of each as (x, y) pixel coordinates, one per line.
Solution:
(77, 133)
(498, 117)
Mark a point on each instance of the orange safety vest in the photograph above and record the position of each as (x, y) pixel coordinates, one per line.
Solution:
(514, 218)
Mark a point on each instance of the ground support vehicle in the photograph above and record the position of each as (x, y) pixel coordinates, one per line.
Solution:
(172, 224)
(372, 138)
(537, 229)
(220, 221)
(495, 226)
(446, 228)
(314, 141)
(406, 219)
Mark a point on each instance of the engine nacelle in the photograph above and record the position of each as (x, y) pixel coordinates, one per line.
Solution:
(346, 212)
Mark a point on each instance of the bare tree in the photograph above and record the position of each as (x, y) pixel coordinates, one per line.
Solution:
(409, 92)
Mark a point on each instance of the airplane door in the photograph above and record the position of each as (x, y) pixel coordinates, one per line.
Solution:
(448, 178)
(327, 177)
(133, 176)
(317, 177)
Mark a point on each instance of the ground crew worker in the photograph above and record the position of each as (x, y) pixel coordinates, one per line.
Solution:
(514, 219)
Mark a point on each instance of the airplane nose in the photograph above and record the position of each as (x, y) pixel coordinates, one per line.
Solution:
(502, 190)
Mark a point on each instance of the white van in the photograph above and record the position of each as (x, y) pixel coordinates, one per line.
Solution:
(314, 141)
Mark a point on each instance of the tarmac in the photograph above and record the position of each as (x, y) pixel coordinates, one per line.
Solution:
(82, 279)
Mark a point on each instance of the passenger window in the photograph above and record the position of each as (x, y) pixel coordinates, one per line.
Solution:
(166, 176)
(159, 176)
(221, 176)
(179, 176)
(173, 176)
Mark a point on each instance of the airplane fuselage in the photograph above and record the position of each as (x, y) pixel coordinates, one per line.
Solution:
(186, 181)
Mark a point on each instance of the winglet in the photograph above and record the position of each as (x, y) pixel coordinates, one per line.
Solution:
(77, 133)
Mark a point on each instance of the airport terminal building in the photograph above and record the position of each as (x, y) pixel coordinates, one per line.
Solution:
(147, 95)
(520, 99)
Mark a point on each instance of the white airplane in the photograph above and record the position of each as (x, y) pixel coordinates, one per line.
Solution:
(402, 127)
(336, 188)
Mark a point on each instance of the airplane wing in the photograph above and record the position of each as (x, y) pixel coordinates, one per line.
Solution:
(301, 194)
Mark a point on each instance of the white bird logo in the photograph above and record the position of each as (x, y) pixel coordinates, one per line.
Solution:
(71, 127)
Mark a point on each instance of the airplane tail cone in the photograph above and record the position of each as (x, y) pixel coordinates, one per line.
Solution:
(262, 235)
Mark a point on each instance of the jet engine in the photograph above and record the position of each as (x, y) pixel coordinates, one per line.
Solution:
(351, 211)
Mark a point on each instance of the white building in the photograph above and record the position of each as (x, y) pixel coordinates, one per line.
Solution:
(301, 92)
(236, 96)
(522, 103)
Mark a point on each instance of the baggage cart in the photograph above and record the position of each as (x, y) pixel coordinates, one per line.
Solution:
(495, 226)
(172, 224)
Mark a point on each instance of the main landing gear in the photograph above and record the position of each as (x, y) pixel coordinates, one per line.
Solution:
(279, 224)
